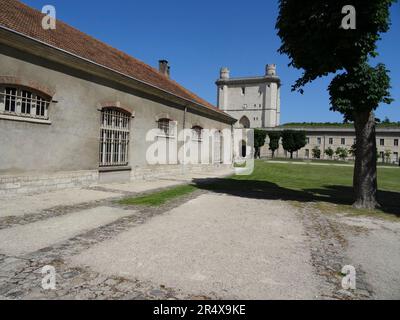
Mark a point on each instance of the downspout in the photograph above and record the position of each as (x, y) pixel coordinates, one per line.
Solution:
(184, 141)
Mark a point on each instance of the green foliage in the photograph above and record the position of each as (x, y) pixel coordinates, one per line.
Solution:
(382, 124)
(274, 138)
(316, 153)
(293, 140)
(259, 138)
(313, 39)
(329, 152)
(342, 153)
(259, 141)
(352, 150)
(159, 198)
(360, 89)
(388, 153)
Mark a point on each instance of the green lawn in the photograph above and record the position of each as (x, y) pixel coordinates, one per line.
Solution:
(161, 197)
(309, 183)
(326, 186)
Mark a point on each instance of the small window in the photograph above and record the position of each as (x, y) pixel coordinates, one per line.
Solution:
(330, 140)
(245, 106)
(382, 142)
(307, 153)
(165, 127)
(343, 141)
(396, 142)
(396, 156)
(308, 140)
(22, 102)
(243, 91)
(319, 140)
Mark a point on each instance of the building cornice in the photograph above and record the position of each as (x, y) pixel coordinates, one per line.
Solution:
(249, 80)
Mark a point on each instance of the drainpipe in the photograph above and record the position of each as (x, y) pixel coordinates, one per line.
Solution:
(184, 142)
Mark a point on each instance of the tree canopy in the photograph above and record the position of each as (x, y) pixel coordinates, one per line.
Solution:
(293, 140)
(307, 24)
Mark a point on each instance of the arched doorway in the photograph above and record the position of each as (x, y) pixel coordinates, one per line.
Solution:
(244, 122)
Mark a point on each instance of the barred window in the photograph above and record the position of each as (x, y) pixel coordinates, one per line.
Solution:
(166, 127)
(22, 102)
(197, 133)
(114, 138)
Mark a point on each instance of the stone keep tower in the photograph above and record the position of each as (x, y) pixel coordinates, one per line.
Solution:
(253, 101)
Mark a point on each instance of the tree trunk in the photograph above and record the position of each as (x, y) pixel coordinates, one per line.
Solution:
(365, 173)
(291, 155)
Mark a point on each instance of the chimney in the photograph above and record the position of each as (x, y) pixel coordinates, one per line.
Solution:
(164, 68)
(271, 70)
(224, 73)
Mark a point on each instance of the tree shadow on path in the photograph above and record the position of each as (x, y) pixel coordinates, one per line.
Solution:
(256, 189)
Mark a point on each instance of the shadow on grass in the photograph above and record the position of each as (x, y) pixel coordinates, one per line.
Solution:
(340, 195)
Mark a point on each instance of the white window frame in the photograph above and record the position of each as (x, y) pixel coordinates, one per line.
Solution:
(38, 104)
(114, 138)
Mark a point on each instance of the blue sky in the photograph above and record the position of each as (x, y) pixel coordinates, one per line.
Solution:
(199, 37)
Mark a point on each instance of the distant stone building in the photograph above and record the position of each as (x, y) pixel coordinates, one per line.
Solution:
(324, 136)
(253, 101)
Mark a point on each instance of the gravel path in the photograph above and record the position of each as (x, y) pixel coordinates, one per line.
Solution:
(200, 246)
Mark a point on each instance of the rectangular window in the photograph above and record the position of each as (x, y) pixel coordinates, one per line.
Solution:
(396, 142)
(308, 140)
(11, 99)
(343, 141)
(382, 142)
(319, 140)
(396, 156)
(26, 102)
(114, 138)
(307, 153)
(330, 140)
(243, 91)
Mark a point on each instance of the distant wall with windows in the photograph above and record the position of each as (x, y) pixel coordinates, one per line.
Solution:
(387, 141)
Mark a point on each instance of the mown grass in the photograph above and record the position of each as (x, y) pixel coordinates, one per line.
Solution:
(327, 185)
(159, 198)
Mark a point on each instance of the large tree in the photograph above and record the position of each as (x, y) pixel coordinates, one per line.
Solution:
(259, 141)
(315, 38)
(274, 138)
(293, 140)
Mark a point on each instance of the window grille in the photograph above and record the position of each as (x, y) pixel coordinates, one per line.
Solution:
(166, 128)
(21, 102)
(114, 138)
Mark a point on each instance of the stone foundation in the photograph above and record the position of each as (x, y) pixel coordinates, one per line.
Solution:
(37, 183)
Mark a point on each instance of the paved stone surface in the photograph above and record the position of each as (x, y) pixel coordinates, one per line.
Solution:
(28, 204)
(205, 246)
(376, 251)
(32, 237)
(229, 246)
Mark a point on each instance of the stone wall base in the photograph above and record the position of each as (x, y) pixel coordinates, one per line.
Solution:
(36, 183)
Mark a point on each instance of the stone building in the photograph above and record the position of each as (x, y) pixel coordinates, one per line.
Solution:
(324, 136)
(253, 101)
(74, 110)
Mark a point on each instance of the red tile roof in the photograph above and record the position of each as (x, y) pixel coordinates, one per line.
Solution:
(28, 21)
